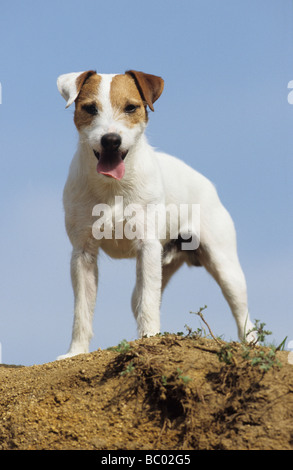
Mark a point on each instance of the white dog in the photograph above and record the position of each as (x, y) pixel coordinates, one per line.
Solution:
(114, 163)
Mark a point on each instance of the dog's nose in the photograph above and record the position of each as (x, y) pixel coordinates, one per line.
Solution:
(111, 141)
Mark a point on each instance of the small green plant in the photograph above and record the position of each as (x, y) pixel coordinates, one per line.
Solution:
(129, 369)
(265, 360)
(260, 331)
(199, 313)
(179, 375)
(226, 353)
(122, 348)
(185, 379)
(256, 353)
(199, 333)
(164, 380)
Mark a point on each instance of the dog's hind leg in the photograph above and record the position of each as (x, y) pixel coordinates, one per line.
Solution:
(218, 254)
(84, 276)
(223, 264)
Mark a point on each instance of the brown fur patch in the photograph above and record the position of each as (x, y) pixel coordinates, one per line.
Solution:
(88, 96)
(123, 93)
(150, 86)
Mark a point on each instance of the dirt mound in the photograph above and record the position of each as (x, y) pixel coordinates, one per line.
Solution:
(167, 392)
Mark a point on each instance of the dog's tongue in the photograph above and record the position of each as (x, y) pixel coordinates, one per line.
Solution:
(111, 166)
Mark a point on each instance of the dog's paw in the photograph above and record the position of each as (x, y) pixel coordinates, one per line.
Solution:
(250, 336)
(64, 356)
(69, 354)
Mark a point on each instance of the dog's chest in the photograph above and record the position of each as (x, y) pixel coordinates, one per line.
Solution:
(118, 227)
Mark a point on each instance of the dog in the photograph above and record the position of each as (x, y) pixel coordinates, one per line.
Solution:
(114, 160)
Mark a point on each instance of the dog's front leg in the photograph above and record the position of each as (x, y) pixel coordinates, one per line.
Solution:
(146, 296)
(84, 276)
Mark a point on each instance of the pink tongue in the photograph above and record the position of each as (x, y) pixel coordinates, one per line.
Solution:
(111, 167)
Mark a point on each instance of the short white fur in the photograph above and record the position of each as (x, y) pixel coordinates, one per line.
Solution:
(151, 177)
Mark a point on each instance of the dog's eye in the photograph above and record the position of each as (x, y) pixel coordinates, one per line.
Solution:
(91, 109)
(130, 108)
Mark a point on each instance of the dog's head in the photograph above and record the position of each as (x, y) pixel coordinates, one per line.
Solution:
(110, 112)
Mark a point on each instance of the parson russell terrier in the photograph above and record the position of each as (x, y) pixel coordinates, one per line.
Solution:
(115, 164)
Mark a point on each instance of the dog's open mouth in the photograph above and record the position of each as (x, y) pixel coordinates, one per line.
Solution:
(111, 163)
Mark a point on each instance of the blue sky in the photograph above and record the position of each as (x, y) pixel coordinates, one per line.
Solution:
(224, 110)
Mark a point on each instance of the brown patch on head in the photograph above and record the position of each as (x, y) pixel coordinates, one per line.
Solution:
(126, 100)
(149, 86)
(87, 99)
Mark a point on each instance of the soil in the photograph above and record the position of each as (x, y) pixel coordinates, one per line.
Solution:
(167, 392)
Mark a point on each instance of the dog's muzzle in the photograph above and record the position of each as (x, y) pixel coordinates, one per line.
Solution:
(111, 157)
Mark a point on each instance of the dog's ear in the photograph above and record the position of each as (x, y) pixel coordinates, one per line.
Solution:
(149, 86)
(70, 85)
